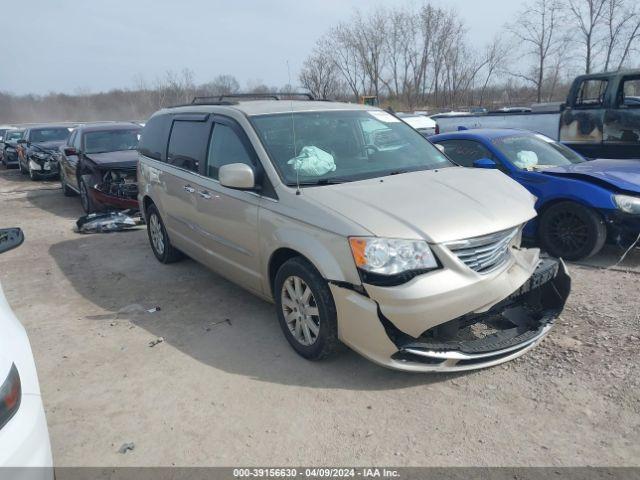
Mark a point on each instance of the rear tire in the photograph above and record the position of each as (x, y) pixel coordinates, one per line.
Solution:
(572, 231)
(159, 239)
(308, 318)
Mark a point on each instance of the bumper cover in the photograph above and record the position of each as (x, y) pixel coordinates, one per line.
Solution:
(44, 168)
(501, 332)
(112, 201)
(623, 227)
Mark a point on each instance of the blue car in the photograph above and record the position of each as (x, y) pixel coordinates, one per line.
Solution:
(581, 204)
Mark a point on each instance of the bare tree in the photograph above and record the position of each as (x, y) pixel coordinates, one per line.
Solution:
(588, 15)
(221, 85)
(367, 40)
(319, 75)
(537, 27)
(622, 31)
(494, 60)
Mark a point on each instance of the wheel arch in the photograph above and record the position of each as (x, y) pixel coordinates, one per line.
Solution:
(324, 260)
(542, 209)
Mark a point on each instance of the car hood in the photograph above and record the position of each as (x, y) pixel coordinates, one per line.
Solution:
(120, 159)
(621, 174)
(49, 146)
(437, 205)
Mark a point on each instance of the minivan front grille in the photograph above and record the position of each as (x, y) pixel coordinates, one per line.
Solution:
(487, 253)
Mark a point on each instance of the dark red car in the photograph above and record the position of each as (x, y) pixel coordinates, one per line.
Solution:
(99, 162)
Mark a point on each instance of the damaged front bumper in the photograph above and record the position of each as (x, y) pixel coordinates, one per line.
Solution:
(115, 189)
(48, 167)
(623, 228)
(415, 335)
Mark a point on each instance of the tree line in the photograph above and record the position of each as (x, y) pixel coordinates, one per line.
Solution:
(409, 57)
(418, 57)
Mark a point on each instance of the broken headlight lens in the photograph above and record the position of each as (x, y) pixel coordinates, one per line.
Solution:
(384, 256)
(40, 155)
(627, 203)
(10, 396)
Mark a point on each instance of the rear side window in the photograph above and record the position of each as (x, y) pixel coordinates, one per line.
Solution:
(153, 142)
(630, 90)
(188, 144)
(465, 152)
(225, 148)
(591, 93)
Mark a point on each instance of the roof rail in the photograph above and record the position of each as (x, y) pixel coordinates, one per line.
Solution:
(219, 99)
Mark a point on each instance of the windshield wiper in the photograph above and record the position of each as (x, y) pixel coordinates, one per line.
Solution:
(322, 181)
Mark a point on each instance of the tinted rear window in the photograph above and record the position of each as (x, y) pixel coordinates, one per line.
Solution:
(153, 141)
(188, 144)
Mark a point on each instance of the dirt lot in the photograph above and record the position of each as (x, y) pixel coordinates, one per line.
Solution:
(235, 394)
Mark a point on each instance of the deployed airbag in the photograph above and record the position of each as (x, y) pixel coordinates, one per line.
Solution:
(313, 162)
(527, 159)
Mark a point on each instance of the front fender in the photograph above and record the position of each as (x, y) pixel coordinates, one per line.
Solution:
(580, 191)
(327, 251)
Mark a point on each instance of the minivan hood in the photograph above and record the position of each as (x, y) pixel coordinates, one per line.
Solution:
(437, 205)
(621, 174)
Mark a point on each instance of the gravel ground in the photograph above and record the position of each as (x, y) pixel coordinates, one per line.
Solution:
(220, 385)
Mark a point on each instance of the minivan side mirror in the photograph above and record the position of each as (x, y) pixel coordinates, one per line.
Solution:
(10, 238)
(237, 175)
(485, 163)
(70, 151)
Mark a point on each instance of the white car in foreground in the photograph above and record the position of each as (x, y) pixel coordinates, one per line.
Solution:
(24, 438)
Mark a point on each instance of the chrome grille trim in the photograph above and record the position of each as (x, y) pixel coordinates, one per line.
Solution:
(487, 253)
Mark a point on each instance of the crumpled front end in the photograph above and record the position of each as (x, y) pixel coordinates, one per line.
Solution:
(44, 163)
(115, 188)
(457, 317)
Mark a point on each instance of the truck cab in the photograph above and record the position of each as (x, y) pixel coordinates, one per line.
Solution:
(602, 115)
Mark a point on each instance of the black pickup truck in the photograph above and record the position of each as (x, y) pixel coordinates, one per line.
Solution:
(600, 119)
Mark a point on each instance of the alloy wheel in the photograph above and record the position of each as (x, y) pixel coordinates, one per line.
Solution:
(568, 232)
(300, 310)
(155, 228)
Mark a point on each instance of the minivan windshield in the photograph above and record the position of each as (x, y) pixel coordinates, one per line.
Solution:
(536, 152)
(49, 135)
(111, 140)
(343, 146)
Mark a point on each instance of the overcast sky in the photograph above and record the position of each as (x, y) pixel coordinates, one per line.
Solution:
(72, 45)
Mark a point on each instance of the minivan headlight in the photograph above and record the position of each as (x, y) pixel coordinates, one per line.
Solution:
(627, 203)
(10, 396)
(391, 257)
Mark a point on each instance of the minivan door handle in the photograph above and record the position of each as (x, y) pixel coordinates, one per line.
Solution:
(189, 188)
(204, 194)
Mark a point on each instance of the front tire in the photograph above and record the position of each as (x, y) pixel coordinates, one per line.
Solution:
(88, 205)
(572, 231)
(159, 239)
(306, 310)
(68, 192)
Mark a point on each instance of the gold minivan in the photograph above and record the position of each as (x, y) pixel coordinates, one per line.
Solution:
(355, 225)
